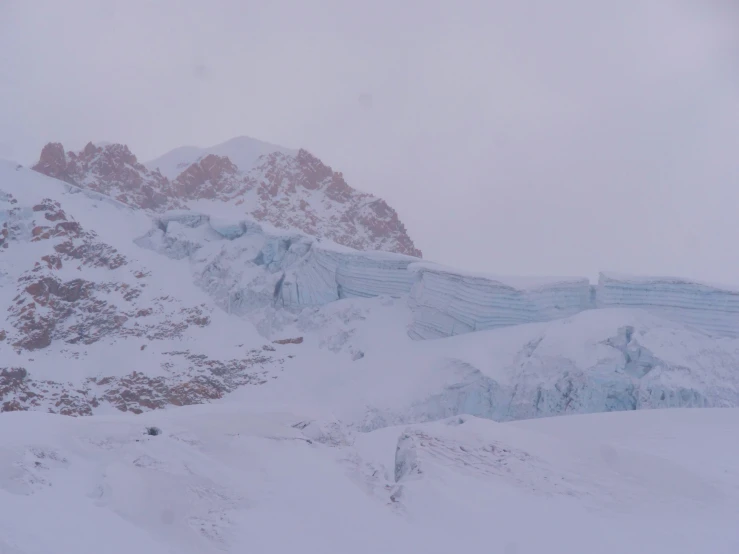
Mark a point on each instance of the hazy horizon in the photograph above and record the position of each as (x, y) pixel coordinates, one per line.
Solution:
(533, 139)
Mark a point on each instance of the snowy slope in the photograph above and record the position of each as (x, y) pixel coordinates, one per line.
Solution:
(92, 322)
(595, 361)
(295, 412)
(150, 313)
(228, 479)
(242, 151)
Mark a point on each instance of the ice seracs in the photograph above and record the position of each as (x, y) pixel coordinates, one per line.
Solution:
(292, 270)
(246, 265)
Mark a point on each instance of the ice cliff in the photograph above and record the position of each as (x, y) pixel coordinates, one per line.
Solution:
(714, 309)
(447, 302)
(247, 266)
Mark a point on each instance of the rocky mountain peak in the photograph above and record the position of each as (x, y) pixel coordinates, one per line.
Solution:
(289, 189)
(301, 191)
(53, 162)
(209, 177)
(110, 169)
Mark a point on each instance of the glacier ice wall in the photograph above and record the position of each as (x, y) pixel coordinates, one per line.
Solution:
(247, 266)
(446, 303)
(709, 308)
(597, 361)
(325, 275)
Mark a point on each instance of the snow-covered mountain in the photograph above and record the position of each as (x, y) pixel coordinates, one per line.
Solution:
(110, 169)
(288, 189)
(193, 307)
(254, 388)
(90, 323)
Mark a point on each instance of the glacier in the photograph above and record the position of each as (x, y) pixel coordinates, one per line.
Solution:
(247, 266)
(714, 309)
(446, 302)
(599, 360)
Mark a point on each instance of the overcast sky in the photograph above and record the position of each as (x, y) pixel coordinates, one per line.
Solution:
(514, 137)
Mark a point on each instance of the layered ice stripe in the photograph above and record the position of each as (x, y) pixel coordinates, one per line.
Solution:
(447, 302)
(326, 275)
(377, 274)
(714, 309)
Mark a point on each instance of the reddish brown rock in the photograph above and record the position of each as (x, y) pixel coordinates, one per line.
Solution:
(53, 162)
(285, 185)
(289, 191)
(211, 177)
(112, 170)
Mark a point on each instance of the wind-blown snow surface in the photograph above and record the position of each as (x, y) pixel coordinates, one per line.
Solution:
(228, 479)
(242, 151)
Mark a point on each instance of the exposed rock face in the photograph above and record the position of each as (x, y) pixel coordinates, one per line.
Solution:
(53, 162)
(211, 177)
(200, 380)
(287, 190)
(110, 169)
(48, 307)
(66, 291)
(301, 192)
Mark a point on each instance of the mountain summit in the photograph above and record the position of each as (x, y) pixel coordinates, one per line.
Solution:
(110, 169)
(244, 152)
(288, 189)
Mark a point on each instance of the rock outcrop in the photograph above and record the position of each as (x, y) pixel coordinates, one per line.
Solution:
(287, 190)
